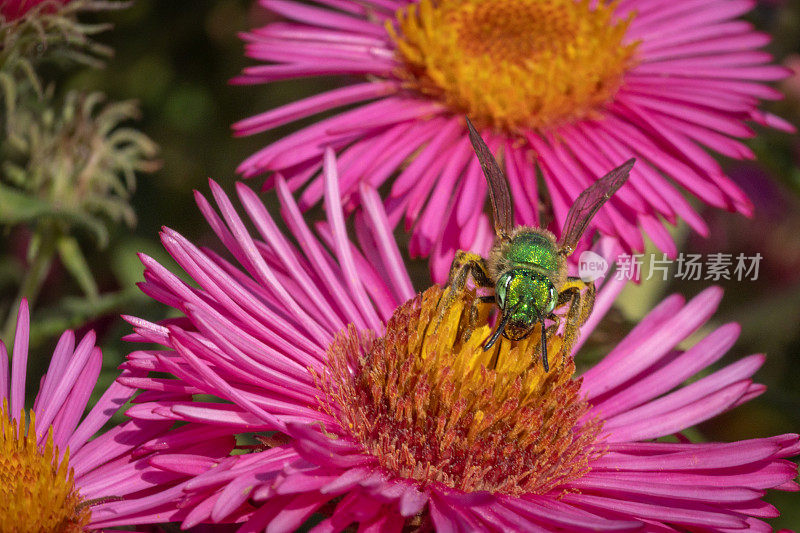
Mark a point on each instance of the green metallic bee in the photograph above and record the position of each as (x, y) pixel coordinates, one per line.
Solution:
(527, 268)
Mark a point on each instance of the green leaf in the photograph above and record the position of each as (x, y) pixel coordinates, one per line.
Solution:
(71, 313)
(16, 207)
(74, 261)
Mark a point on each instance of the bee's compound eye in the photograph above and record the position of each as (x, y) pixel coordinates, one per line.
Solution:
(551, 304)
(501, 290)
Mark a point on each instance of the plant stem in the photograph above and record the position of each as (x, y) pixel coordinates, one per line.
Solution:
(34, 277)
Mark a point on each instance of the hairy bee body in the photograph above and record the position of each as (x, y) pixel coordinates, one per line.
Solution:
(527, 271)
(527, 266)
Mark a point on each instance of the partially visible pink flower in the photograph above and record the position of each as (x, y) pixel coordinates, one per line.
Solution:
(56, 477)
(566, 89)
(383, 418)
(15, 9)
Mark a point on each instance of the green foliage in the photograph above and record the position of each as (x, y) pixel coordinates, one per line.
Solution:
(75, 164)
(68, 159)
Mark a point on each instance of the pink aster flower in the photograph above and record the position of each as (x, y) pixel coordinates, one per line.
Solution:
(371, 410)
(569, 89)
(52, 476)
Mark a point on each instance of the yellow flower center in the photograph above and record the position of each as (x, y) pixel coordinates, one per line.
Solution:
(422, 400)
(514, 64)
(37, 491)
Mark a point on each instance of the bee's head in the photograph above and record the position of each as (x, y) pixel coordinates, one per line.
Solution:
(526, 297)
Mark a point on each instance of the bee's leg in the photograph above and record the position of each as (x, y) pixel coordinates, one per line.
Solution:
(580, 306)
(553, 328)
(473, 315)
(586, 301)
(464, 264)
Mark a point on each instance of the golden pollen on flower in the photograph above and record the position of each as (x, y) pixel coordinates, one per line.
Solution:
(421, 400)
(37, 490)
(514, 64)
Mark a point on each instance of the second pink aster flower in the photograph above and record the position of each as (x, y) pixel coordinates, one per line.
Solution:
(372, 408)
(54, 476)
(562, 88)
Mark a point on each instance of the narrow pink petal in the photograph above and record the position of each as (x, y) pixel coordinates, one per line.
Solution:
(695, 516)
(200, 513)
(615, 370)
(58, 364)
(119, 513)
(408, 179)
(631, 123)
(755, 476)
(683, 457)
(182, 437)
(75, 404)
(698, 33)
(239, 419)
(352, 164)
(692, 13)
(554, 513)
(603, 302)
(295, 512)
(430, 224)
(251, 304)
(333, 210)
(772, 121)
(288, 31)
(354, 507)
(387, 246)
(225, 389)
(112, 444)
(514, 521)
(284, 252)
(315, 104)
(4, 384)
(245, 358)
(311, 248)
(667, 423)
(387, 521)
(19, 360)
(373, 282)
(607, 485)
(701, 355)
(265, 274)
(740, 370)
(322, 17)
(235, 494)
(443, 520)
(65, 383)
(300, 482)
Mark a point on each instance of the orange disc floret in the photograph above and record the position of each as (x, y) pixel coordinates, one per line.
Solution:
(423, 401)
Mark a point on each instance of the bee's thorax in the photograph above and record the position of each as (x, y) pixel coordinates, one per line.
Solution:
(528, 248)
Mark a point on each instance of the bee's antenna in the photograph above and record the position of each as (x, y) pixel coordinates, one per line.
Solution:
(544, 348)
(500, 328)
(544, 341)
(497, 332)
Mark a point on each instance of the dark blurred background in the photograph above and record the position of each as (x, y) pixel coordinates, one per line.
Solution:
(175, 57)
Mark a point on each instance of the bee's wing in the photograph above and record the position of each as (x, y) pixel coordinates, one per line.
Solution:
(589, 202)
(499, 192)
